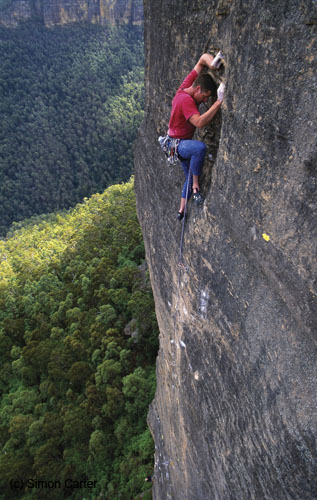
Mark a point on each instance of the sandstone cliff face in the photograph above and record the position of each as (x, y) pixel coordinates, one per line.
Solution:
(52, 12)
(234, 415)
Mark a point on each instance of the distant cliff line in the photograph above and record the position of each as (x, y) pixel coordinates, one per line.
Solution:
(58, 12)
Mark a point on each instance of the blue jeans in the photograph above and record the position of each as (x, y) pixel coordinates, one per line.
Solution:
(191, 154)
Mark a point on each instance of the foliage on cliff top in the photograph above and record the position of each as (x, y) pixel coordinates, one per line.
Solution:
(78, 340)
(71, 101)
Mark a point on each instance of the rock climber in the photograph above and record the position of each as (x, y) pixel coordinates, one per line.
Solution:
(185, 118)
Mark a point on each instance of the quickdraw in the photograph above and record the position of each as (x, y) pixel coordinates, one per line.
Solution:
(169, 147)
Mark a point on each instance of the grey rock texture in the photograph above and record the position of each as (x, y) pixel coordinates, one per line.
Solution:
(56, 12)
(234, 416)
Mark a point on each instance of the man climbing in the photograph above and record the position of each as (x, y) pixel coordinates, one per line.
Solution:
(185, 118)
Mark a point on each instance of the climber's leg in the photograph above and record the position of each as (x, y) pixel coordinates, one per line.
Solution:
(192, 155)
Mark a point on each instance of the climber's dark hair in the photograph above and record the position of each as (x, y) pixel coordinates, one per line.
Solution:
(206, 83)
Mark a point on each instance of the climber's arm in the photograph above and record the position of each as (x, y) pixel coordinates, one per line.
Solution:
(200, 121)
(204, 60)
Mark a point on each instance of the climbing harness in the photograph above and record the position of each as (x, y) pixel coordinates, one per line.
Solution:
(169, 146)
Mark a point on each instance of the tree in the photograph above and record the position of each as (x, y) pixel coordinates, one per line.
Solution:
(76, 384)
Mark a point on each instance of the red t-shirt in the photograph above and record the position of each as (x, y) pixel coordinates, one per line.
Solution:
(183, 107)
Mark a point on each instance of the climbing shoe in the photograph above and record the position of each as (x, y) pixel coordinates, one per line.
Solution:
(198, 198)
(180, 215)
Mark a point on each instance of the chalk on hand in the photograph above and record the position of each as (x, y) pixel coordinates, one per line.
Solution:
(217, 60)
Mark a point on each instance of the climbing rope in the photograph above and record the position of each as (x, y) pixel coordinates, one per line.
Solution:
(181, 267)
(180, 258)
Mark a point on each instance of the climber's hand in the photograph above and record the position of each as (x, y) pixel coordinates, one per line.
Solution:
(217, 60)
(220, 91)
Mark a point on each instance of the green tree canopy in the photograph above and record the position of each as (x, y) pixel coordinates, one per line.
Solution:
(78, 341)
(71, 101)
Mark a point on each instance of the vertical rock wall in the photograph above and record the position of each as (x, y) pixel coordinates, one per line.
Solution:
(55, 12)
(234, 416)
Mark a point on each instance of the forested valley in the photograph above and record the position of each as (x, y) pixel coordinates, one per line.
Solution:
(71, 101)
(78, 337)
(78, 332)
